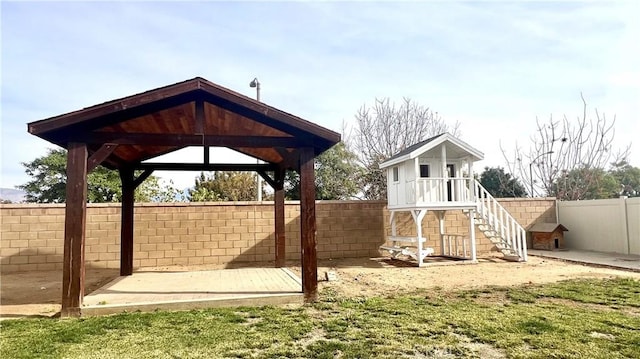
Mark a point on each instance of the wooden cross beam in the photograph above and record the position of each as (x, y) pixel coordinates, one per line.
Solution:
(100, 155)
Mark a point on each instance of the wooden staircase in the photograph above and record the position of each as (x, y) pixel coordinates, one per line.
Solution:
(499, 226)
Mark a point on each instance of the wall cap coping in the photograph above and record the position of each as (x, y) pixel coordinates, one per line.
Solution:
(525, 199)
(180, 204)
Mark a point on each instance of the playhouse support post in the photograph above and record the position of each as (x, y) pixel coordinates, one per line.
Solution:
(440, 215)
(418, 216)
(472, 233)
(392, 221)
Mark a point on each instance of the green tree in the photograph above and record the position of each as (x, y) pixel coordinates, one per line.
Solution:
(152, 190)
(585, 183)
(49, 178)
(224, 186)
(336, 175)
(501, 184)
(628, 178)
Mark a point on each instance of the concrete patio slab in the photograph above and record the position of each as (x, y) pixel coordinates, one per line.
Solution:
(148, 291)
(611, 260)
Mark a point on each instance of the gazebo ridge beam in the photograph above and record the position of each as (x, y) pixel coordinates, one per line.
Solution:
(255, 167)
(149, 139)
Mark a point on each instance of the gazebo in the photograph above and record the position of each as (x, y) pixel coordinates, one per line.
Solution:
(124, 134)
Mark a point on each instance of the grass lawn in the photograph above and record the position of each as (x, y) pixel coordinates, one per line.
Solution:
(573, 319)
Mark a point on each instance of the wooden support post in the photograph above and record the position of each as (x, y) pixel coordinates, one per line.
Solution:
(126, 225)
(74, 230)
(279, 218)
(308, 225)
(418, 216)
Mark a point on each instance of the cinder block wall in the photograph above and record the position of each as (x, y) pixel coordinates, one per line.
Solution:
(31, 235)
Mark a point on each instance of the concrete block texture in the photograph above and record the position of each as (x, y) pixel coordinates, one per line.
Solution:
(32, 235)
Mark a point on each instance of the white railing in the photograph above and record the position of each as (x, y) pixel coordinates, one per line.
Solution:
(455, 245)
(434, 189)
(514, 237)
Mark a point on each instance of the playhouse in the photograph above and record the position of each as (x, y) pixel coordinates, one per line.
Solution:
(437, 175)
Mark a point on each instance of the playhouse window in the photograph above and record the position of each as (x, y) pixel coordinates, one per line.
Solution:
(395, 174)
(425, 171)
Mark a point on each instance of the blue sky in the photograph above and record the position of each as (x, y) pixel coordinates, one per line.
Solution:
(492, 66)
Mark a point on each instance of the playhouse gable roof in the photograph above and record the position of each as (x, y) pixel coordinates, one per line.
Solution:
(419, 148)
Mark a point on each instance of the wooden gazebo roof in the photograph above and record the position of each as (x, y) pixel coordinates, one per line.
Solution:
(121, 134)
(195, 112)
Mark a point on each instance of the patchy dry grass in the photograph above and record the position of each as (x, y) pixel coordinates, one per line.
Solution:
(572, 319)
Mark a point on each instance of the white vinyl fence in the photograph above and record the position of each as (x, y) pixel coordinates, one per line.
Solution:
(604, 225)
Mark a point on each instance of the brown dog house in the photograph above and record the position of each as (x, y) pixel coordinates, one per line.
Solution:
(548, 236)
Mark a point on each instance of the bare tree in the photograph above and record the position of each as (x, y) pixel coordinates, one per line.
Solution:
(560, 148)
(385, 129)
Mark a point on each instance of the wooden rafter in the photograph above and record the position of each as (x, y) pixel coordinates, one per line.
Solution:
(152, 139)
(100, 155)
(206, 167)
(143, 176)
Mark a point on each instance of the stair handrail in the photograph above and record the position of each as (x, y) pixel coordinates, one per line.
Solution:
(497, 220)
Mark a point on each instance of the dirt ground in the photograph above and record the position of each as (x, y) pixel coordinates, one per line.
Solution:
(38, 293)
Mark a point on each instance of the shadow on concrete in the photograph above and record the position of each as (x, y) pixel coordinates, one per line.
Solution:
(45, 286)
